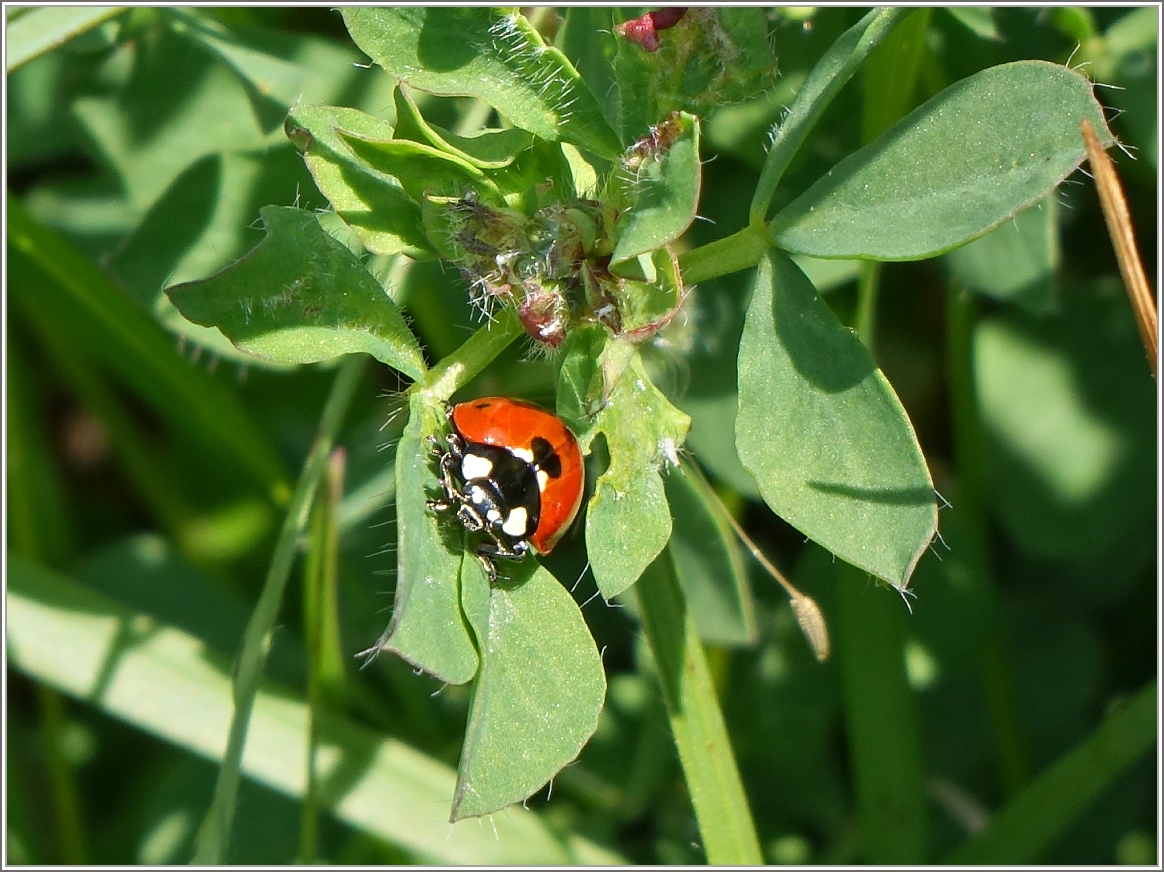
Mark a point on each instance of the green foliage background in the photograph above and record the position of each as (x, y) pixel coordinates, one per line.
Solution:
(150, 468)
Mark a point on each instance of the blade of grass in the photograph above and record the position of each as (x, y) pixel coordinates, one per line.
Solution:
(39, 530)
(49, 274)
(165, 682)
(1031, 821)
(62, 777)
(138, 459)
(38, 525)
(214, 834)
(705, 752)
(880, 721)
(999, 691)
(822, 85)
(41, 30)
(321, 632)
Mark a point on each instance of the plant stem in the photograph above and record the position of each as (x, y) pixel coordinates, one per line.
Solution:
(713, 780)
(476, 353)
(741, 250)
(214, 834)
(868, 285)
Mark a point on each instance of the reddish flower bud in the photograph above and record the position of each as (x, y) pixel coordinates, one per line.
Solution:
(644, 30)
(543, 315)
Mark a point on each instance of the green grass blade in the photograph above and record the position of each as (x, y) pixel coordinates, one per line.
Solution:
(1029, 822)
(38, 521)
(880, 719)
(48, 273)
(164, 682)
(214, 835)
(41, 30)
(325, 673)
(972, 455)
(713, 780)
(139, 460)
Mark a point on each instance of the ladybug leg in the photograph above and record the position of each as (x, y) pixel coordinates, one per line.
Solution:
(492, 548)
(489, 566)
(448, 460)
(495, 547)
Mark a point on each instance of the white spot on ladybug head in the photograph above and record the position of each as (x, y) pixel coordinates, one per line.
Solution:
(474, 466)
(543, 479)
(516, 523)
(524, 453)
(493, 516)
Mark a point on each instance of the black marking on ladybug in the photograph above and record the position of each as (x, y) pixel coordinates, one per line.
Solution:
(545, 458)
(493, 491)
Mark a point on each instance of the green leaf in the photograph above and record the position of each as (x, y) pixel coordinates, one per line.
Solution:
(272, 82)
(648, 305)
(377, 208)
(491, 54)
(165, 682)
(981, 151)
(824, 434)
(726, 830)
(978, 19)
(41, 30)
(1028, 824)
(490, 149)
(539, 694)
(199, 224)
(417, 167)
(167, 115)
(301, 297)
(707, 562)
(1016, 261)
(628, 522)
(664, 193)
(427, 628)
(580, 385)
(1067, 405)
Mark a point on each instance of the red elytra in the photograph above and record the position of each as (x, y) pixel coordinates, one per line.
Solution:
(522, 427)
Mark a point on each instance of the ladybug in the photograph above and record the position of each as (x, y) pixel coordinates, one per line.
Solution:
(512, 471)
